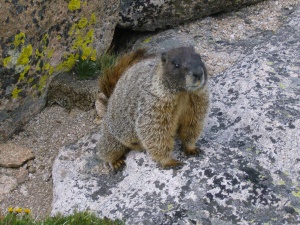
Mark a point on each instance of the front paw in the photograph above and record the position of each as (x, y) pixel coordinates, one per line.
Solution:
(192, 152)
(172, 163)
(118, 165)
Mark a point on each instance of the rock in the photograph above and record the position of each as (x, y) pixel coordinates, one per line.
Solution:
(46, 176)
(7, 184)
(249, 172)
(164, 41)
(153, 15)
(14, 156)
(40, 39)
(24, 190)
(69, 92)
(22, 175)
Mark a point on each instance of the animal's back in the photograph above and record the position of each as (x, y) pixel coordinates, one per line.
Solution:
(125, 99)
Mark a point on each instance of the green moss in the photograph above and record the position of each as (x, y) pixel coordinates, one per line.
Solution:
(74, 5)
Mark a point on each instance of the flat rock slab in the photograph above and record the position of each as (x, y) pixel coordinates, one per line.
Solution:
(152, 15)
(14, 156)
(249, 172)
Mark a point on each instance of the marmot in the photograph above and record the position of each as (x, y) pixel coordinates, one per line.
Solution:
(155, 100)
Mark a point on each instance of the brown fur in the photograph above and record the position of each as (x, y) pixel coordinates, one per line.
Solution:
(154, 101)
(110, 76)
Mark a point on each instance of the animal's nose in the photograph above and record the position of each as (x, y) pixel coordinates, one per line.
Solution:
(198, 74)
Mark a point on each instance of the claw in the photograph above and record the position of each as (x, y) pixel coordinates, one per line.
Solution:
(192, 152)
(172, 163)
(118, 164)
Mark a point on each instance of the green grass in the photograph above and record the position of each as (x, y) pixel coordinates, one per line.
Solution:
(86, 68)
(78, 218)
(107, 60)
(89, 68)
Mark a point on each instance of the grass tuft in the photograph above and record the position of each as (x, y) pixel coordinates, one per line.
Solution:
(78, 218)
(90, 67)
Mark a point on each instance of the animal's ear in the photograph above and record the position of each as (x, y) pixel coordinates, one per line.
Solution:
(164, 57)
(191, 48)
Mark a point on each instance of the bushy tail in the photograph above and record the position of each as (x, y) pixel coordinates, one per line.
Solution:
(110, 76)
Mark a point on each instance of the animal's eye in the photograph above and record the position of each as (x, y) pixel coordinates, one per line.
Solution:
(176, 65)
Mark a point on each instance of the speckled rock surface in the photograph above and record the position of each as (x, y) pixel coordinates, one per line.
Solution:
(250, 170)
(152, 15)
(69, 92)
(39, 39)
(14, 156)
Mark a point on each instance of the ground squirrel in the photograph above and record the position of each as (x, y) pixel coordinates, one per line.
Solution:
(154, 101)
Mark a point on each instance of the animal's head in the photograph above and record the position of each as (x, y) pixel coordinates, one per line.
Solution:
(183, 70)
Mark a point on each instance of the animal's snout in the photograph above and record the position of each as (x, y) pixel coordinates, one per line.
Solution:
(198, 74)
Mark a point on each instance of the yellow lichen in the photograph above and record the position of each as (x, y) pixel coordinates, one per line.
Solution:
(22, 75)
(69, 63)
(83, 36)
(30, 80)
(74, 5)
(38, 54)
(6, 61)
(72, 29)
(42, 82)
(296, 193)
(46, 66)
(51, 70)
(147, 40)
(93, 19)
(19, 39)
(87, 51)
(90, 35)
(15, 92)
(281, 182)
(82, 23)
(50, 53)
(25, 54)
